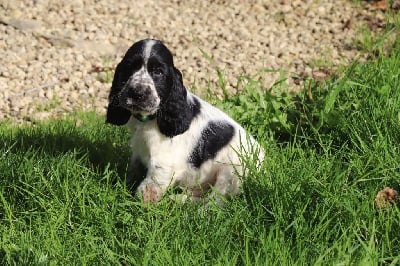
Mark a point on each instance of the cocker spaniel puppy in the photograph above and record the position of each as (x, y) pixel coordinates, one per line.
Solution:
(178, 140)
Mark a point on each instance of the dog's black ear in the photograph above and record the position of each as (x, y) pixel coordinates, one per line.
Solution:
(174, 115)
(116, 115)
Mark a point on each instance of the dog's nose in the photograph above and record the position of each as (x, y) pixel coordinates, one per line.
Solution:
(135, 94)
(139, 92)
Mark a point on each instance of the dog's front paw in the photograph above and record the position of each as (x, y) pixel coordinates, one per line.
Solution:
(151, 193)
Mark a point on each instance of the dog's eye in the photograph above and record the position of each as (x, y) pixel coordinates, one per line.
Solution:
(157, 71)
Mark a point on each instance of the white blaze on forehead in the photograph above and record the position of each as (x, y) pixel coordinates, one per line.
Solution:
(147, 50)
(142, 74)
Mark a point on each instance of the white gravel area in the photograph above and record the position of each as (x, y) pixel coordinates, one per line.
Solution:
(59, 56)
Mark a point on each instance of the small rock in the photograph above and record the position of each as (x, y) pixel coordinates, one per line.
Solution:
(396, 5)
(40, 116)
(24, 24)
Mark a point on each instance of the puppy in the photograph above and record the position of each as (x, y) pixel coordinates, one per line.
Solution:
(177, 139)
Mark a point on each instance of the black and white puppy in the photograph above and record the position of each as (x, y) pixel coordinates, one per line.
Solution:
(178, 140)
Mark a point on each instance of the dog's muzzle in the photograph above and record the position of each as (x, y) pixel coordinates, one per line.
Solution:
(139, 95)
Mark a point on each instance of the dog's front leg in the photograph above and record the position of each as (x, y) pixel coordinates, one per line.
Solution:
(154, 186)
(137, 172)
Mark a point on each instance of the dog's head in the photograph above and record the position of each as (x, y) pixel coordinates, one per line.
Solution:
(145, 84)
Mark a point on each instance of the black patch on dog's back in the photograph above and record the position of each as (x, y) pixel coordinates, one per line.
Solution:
(215, 136)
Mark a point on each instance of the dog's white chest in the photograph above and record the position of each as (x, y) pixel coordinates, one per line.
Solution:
(158, 151)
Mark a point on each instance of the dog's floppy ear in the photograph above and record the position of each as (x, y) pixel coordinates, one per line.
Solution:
(174, 115)
(116, 115)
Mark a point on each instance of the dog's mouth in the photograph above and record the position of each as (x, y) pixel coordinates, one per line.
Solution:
(138, 101)
(143, 107)
(144, 113)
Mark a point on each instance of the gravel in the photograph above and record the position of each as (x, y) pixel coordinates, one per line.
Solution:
(58, 56)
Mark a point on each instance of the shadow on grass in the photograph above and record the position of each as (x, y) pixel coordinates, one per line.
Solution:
(103, 145)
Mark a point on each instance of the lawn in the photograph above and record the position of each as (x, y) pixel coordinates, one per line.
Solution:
(329, 150)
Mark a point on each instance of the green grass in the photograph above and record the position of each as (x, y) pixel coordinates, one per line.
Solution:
(329, 150)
